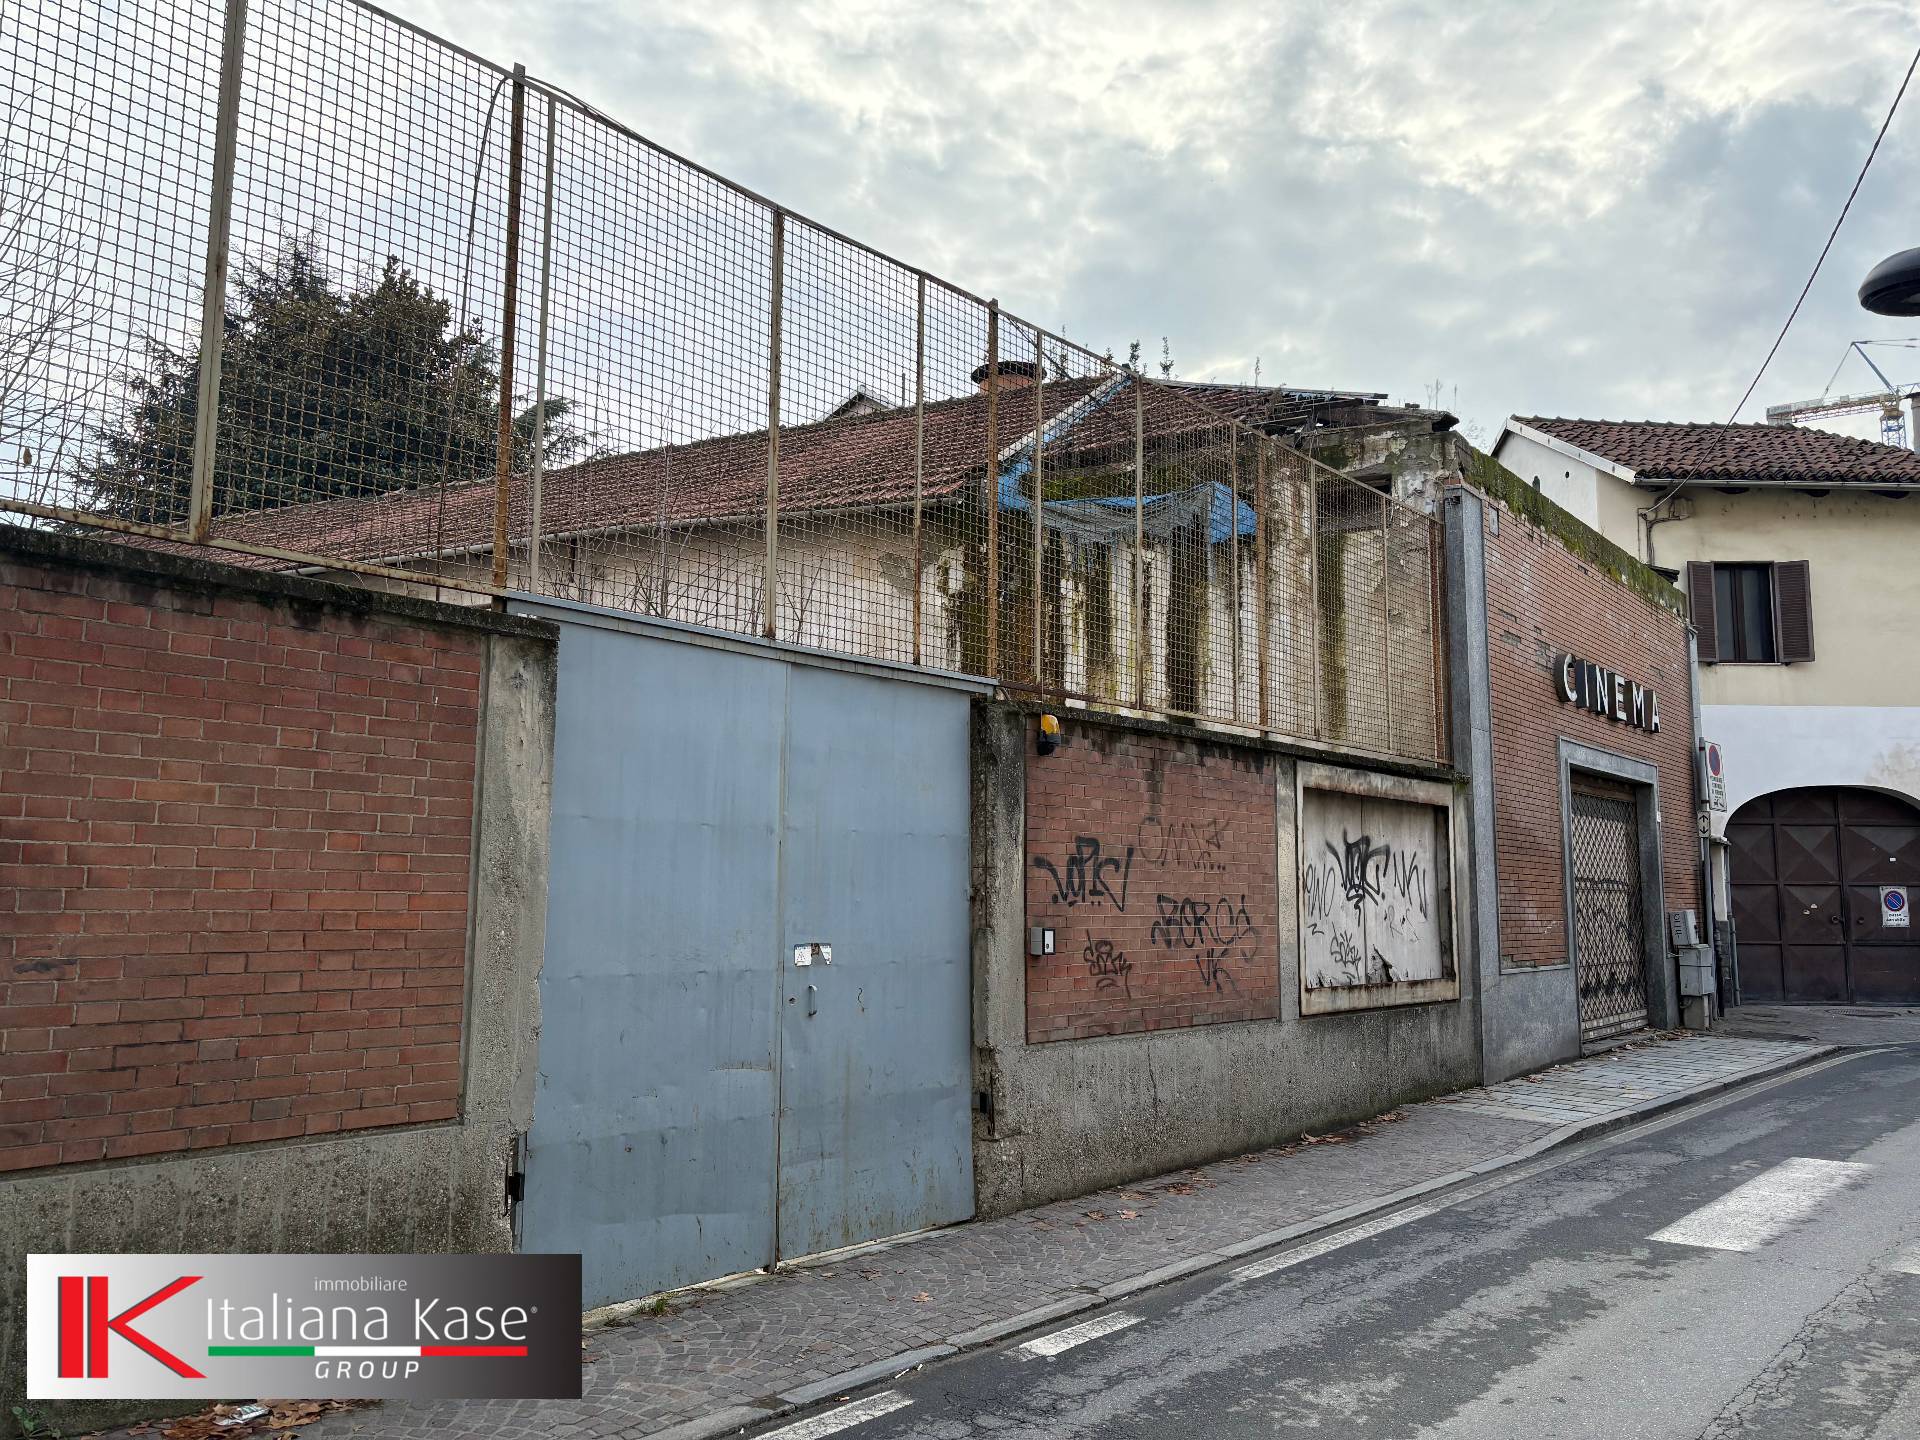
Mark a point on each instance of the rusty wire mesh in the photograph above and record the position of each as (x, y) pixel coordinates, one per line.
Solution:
(462, 306)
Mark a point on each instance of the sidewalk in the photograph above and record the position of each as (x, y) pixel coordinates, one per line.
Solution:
(719, 1358)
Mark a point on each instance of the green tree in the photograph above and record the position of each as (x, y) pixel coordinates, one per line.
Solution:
(325, 391)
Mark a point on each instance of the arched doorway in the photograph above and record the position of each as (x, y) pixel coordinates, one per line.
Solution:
(1811, 915)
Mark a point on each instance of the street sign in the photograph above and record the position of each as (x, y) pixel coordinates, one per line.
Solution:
(1716, 777)
(1894, 914)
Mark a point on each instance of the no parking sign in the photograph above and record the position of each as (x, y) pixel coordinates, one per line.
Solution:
(1893, 907)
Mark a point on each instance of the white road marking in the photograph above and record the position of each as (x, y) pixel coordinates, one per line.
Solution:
(1907, 1262)
(1766, 1207)
(1079, 1334)
(1287, 1259)
(844, 1418)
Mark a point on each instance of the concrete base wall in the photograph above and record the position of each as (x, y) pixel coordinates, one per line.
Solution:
(1532, 1020)
(1063, 1118)
(424, 1188)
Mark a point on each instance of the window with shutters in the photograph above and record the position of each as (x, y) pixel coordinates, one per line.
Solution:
(1743, 613)
(1752, 613)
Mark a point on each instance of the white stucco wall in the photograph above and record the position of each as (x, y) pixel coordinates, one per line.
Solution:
(1567, 482)
(1782, 747)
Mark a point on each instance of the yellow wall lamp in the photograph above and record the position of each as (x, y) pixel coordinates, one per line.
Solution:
(1051, 738)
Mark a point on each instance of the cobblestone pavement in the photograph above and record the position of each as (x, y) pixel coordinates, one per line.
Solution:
(1833, 1024)
(1619, 1080)
(720, 1354)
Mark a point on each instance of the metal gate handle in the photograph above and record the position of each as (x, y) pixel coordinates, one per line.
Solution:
(813, 996)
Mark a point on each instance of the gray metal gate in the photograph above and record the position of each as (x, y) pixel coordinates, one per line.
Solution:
(755, 999)
(1609, 914)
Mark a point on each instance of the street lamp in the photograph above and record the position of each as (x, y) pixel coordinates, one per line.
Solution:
(1893, 286)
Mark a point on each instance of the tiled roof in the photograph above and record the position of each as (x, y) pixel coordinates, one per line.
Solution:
(1735, 454)
(855, 462)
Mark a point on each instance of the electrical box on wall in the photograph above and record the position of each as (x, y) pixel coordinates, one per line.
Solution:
(1040, 940)
(1683, 928)
(1696, 970)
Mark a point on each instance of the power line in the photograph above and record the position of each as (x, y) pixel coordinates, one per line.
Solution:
(1831, 237)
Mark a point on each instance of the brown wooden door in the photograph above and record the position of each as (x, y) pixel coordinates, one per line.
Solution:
(1806, 869)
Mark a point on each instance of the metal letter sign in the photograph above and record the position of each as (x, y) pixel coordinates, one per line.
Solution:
(1893, 908)
(1607, 692)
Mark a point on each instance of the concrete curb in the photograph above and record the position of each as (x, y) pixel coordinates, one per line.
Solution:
(773, 1407)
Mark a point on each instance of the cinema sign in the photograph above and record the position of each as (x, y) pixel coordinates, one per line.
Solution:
(1607, 692)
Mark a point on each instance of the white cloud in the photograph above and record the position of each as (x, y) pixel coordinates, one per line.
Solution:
(1559, 207)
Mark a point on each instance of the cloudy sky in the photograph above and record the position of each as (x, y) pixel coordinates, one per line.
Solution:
(1559, 208)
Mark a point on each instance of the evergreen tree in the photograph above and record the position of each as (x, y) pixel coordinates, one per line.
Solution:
(324, 392)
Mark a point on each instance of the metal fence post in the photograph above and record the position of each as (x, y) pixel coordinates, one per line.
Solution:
(213, 290)
(771, 590)
(1233, 550)
(1386, 613)
(919, 444)
(540, 360)
(993, 489)
(1139, 547)
(509, 316)
(1313, 588)
(1261, 532)
(1039, 497)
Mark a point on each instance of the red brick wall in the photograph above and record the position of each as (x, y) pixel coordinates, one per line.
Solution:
(1542, 602)
(1153, 859)
(233, 867)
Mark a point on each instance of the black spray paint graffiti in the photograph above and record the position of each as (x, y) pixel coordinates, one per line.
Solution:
(1216, 931)
(1111, 969)
(1090, 876)
(1383, 888)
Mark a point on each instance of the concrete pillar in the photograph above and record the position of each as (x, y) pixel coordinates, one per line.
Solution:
(1470, 693)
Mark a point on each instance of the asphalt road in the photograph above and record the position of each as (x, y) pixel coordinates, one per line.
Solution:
(1747, 1268)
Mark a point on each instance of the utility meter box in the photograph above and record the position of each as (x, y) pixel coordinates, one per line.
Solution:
(1696, 970)
(1683, 928)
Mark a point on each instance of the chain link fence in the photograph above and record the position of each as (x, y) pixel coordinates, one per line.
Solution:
(297, 281)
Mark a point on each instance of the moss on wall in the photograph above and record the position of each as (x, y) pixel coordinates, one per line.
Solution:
(1492, 478)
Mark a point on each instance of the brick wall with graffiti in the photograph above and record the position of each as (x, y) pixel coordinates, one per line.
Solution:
(1153, 861)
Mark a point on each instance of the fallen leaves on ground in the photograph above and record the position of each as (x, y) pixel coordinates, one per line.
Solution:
(1129, 1214)
(282, 1417)
(921, 1297)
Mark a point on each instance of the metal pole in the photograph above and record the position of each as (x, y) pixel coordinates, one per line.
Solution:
(1262, 625)
(1313, 585)
(503, 459)
(919, 443)
(1233, 550)
(1139, 547)
(540, 359)
(1039, 495)
(1438, 693)
(771, 593)
(993, 489)
(213, 290)
(1386, 613)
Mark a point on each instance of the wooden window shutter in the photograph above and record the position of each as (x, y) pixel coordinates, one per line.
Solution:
(1700, 603)
(1793, 610)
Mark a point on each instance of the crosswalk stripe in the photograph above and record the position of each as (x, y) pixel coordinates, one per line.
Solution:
(1079, 1334)
(1764, 1208)
(843, 1418)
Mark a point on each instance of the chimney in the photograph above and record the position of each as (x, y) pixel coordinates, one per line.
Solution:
(1014, 375)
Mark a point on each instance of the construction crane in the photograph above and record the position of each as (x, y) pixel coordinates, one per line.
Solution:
(1887, 400)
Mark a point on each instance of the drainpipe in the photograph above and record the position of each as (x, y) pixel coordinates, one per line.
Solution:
(1707, 906)
(1648, 519)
